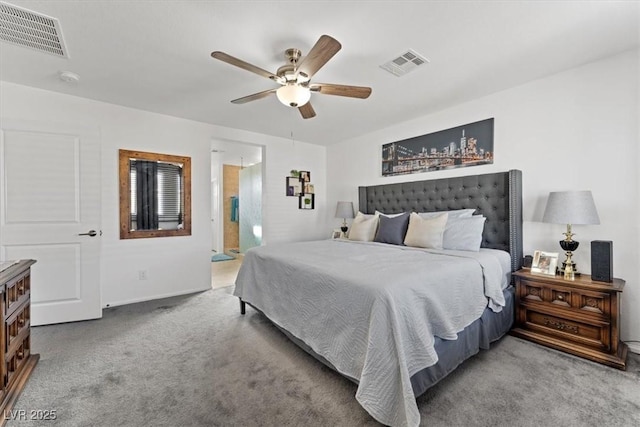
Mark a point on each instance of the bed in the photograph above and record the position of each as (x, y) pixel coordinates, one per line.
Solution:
(396, 319)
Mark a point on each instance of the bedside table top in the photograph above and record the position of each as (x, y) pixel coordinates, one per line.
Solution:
(583, 281)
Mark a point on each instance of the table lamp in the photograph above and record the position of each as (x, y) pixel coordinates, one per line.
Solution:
(344, 210)
(570, 207)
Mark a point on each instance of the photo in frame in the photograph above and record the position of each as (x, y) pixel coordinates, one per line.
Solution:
(294, 186)
(309, 188)
(544, 263)
(305, 176)
(337, 234)
(307, 201)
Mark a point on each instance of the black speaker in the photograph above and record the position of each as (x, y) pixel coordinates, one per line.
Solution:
(602, 260)
(527, 261)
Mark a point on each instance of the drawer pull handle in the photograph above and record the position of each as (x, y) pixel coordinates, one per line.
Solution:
(21, 322)
(560, 325)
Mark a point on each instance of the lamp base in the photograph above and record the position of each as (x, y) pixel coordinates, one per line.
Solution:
(568, 271)
(568, 245)
(564, 267)
(344, 229)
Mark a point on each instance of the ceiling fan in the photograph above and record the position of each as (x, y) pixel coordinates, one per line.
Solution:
(295, 77)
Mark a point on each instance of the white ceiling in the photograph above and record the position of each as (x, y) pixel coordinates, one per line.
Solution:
(155, 55)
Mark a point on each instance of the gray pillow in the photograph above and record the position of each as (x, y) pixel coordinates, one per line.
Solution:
(392, 229)
(464, 234)
(389, 215)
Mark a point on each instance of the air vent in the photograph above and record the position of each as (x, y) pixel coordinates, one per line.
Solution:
(26, 28)
(408, 61)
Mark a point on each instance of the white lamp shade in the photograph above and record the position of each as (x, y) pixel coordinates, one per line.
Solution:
(344, 210)
(571, 207)
(293, 95)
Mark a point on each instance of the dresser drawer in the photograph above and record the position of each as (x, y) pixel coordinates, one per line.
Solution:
(595, 335)
(17, 326)
(18, 291)
(16, 360)
(590, 303)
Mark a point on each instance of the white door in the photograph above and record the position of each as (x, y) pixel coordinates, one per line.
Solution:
(50, 193)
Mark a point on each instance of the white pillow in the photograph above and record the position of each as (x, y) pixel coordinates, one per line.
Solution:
(364, 227)
(366, 216)
(458, 213)
(464, 234)
(426, 232)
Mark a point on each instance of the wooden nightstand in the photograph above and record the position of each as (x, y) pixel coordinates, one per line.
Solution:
(580, 317)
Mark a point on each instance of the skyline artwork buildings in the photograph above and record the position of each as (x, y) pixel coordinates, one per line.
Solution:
(467, 145)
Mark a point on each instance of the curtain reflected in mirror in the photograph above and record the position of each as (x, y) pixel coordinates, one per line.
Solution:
(155, 195)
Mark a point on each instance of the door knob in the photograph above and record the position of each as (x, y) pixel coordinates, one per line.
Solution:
(91, 233)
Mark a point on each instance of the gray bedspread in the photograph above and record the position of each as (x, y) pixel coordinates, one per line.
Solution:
(372, 309)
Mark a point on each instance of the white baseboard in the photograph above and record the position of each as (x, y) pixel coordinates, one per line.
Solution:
(634, 347)
(160, 296)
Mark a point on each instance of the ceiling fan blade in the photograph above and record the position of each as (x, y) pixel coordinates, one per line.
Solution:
(361, 92)
(253, 97)
(307, 111)
(245, 66)
(320, 53)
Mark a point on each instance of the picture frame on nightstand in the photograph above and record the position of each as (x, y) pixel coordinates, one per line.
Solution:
(337, 234)
(544, 263)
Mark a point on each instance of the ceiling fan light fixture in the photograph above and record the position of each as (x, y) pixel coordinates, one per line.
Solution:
(293, 95)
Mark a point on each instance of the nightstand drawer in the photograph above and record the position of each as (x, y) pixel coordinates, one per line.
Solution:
(580, 316)
(596, 304)
(583, 333)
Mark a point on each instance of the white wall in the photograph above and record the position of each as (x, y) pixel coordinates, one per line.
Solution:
(175, 265)
(577, 130)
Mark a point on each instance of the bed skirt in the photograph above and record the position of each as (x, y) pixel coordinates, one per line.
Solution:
(478, 335)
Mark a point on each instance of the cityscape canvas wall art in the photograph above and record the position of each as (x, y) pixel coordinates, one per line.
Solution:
(461, 146)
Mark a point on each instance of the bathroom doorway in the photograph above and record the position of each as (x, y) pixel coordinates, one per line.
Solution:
(236, 206)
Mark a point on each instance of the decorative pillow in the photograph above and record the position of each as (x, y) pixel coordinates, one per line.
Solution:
(363, 227)
(458, 213)
(426, 232)
(392, 229)
(464, 234)
(366, 216)
(389, 215)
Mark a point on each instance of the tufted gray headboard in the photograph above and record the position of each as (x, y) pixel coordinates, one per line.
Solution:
(497, 196)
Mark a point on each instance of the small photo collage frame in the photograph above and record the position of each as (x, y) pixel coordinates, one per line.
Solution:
(299, 185)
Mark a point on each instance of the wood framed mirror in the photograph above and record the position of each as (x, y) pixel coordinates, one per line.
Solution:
(155, 195)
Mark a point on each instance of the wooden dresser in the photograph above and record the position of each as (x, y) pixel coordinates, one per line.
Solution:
(580, 317)
(16, 360)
